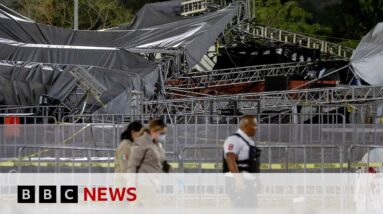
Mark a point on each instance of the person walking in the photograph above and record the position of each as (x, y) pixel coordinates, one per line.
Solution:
(147, 155)
(240, 152)
(241, 157)
(132, 132)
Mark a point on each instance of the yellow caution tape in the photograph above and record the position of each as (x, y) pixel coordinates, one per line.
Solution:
(194, 165)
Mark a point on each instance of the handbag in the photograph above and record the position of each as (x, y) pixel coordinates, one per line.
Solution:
(166, 166)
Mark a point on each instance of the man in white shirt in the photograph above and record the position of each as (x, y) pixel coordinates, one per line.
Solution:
(240, 153)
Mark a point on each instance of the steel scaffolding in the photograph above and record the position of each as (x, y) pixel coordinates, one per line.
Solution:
(192, 7)
(240, 75)
(253, 101)
(195, 7)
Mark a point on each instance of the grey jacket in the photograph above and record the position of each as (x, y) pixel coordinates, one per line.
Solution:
(146, 154)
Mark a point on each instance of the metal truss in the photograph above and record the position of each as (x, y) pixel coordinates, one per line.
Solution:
(253, 101)
(233, 76)
(85, 87)
(192, 7)
(195, 7)
(274, 34)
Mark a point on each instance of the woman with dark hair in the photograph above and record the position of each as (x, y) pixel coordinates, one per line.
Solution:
(132, 132)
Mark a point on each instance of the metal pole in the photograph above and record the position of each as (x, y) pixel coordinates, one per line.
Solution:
(75, 14)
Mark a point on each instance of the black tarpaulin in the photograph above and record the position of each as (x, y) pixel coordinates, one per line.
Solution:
(152, 33)
(16, 92)
(39, 55)
(162, 30)
(50, 52)
(155, 14)
(58, 82)
(106, 57)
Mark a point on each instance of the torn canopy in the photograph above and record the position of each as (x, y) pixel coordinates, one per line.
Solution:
(154, 14)
(366, 60)
(15, 92)
(112, 58)
(107, 53)
(43, 55)
(56, 81)
(163, 31)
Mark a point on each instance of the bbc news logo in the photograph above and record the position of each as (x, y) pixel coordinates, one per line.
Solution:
(70, 194)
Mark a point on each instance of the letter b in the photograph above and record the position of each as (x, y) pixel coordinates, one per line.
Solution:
(47, 194)
(25, 194)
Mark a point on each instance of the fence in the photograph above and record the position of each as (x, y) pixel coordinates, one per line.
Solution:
(302, 40)
(275, 158)
(372, 157)
(328, 114)
(266, 118)
(38, 110)
(286, 147)
(60, 161)
(80, 159)
(15, 119)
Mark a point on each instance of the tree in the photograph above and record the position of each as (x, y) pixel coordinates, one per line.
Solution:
(287, 15)
(135, 5)
(93, 14)
(352, 19)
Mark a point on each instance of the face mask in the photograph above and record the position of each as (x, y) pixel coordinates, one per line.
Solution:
(162, 138)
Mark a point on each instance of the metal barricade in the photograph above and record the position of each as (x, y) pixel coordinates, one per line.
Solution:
(37, 110)
(105, 118)
(321, 165)
(24, 119)
(264, 118)
(63, 162)
(361, 164)
(196, 133)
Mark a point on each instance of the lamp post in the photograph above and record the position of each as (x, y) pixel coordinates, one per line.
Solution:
(75, 15)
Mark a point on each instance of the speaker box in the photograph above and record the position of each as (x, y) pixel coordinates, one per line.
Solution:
(278, 83)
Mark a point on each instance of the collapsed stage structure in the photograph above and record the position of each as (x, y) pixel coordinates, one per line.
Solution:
(175, 57)
(38, 60)
(198, 64)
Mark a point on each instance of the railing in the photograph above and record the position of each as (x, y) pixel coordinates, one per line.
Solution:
(197, 131)
(195, 7)
(326, 163)
(284, 167)
(220, 112)
(302, 40)
(192, 7)
(17, 119)
(57, 161)
(368, 164)
(264, 118)
(35, 111)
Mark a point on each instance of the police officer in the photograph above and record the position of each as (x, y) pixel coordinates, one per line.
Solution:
(240, 152)
(241, 155)
(132, 132)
